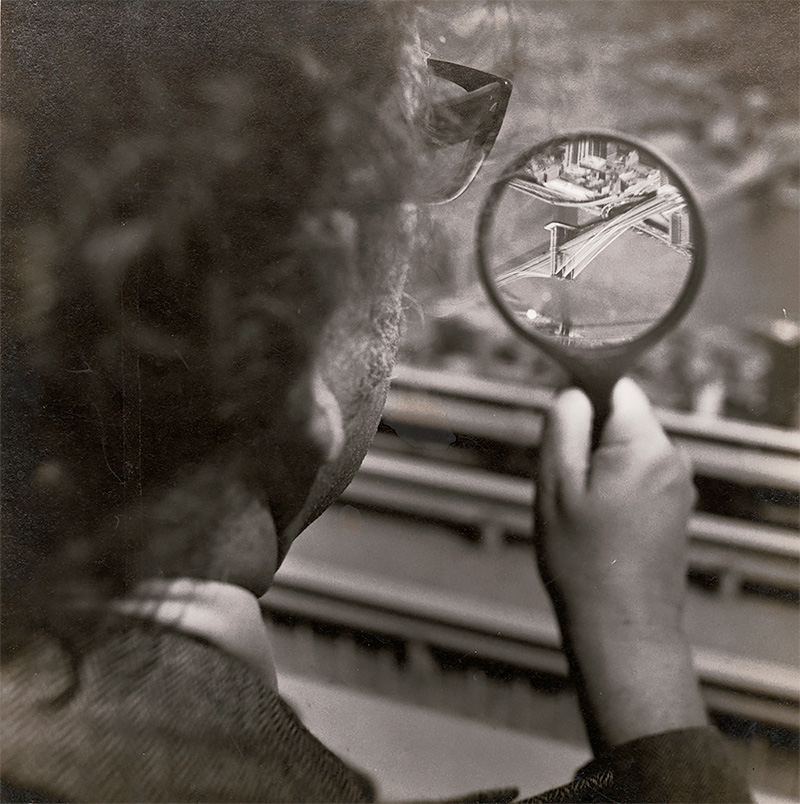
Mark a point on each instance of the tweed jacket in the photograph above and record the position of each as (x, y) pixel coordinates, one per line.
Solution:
(154, 715)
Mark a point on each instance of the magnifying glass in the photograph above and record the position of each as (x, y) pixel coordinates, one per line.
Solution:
(592, 247)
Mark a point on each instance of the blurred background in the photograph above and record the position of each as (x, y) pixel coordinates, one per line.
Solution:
(714, 85)
(410, 628)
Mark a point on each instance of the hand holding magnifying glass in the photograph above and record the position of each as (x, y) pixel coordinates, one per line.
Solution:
(591, 246)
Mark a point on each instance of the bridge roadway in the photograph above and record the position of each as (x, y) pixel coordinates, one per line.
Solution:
(575, 253)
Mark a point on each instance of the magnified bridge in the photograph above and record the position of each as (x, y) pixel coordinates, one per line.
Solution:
(660, 213)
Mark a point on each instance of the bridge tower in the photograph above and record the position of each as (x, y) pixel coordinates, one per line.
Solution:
(679, 228)
(559, 234)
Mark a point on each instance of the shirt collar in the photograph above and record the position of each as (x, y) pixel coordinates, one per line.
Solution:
(224, 614)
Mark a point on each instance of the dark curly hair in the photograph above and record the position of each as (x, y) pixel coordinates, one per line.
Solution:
(171, 171)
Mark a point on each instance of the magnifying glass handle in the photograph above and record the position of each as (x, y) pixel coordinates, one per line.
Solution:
(599, 389)
(602, 410)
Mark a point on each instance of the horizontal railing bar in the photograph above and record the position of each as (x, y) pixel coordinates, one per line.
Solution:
(424, 603)
(446, 477)
(489, 630)
(743, 535)
(748, 464)
(520, 426)
(777, 571)
(476, 485)
(741, 465)
(504, 394)
(447, 383)
(327, 609)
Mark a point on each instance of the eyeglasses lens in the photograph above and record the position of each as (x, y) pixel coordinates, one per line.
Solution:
(454, 118)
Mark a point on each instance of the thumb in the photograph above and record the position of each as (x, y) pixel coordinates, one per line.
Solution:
(567, 443)
(632, 417)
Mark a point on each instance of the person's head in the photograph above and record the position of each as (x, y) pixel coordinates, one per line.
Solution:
(204, 240)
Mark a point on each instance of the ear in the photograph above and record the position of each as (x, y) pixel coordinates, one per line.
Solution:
(325, 424)
(310, 438)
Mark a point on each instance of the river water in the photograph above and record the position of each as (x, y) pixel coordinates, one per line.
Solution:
(753, 269)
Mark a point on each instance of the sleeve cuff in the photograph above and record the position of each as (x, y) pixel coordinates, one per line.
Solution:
(686, 765)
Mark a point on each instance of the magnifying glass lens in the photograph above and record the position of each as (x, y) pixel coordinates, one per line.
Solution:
(590, 243)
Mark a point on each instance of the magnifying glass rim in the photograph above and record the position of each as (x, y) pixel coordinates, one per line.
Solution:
(624, 349)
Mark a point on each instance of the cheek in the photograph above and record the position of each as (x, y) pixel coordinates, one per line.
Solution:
(358, 360)
(361, 343)
(359, 379)
(358, 352)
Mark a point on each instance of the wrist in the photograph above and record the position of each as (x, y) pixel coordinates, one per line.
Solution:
(620, 611)
(634, 681)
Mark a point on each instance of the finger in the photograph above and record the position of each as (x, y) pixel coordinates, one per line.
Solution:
(632, 417)
(569, 442)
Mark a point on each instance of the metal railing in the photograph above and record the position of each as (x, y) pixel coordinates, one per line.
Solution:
(507, 635)
(741, 452)
(400, 479)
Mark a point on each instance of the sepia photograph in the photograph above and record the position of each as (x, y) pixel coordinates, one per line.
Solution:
(400, 401)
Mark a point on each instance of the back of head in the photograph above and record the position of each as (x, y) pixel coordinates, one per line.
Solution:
(170, 173)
